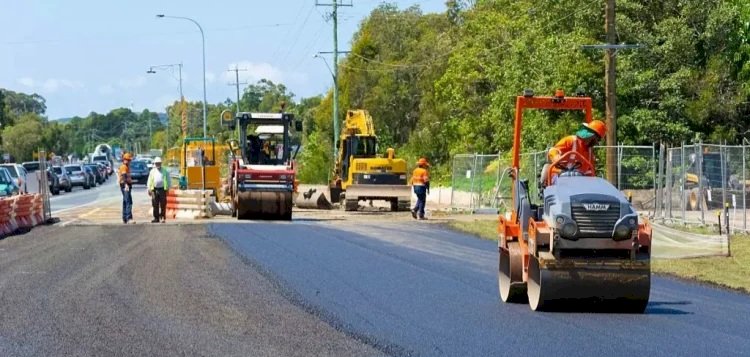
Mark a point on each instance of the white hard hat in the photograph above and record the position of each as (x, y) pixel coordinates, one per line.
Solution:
(157, 160)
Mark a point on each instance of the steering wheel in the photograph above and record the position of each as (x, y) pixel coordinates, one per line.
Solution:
(569, 161)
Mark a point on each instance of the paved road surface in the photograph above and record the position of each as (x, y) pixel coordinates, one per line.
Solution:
(423, 290)
(328, 283)
(141, 290)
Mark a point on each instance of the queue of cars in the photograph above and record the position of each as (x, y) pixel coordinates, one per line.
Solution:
(13, 177)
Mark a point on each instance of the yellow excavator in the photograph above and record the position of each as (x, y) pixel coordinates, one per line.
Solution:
(360, 175)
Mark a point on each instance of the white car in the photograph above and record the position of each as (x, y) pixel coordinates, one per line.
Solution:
(19, 175)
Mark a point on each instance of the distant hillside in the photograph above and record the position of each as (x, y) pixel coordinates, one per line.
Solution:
(62, 120)
(162, 117)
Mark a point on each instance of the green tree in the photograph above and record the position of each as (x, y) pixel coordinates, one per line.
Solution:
(24, 138)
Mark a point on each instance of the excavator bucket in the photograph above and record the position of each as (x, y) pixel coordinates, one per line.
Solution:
(398, 195)
(312, 199)
(268, 205)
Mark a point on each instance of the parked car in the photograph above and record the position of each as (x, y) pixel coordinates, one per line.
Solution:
(139, 172)
(105, 170)
(149, 162)
(54, 183)
(63, 177)
(80, 176)
(31, 166)
(19, 175)
(108, 167)
(8, 185)
(98, 173)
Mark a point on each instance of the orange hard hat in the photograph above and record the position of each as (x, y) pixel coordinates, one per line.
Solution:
(127, 156)
(598, 127)
(422, 162)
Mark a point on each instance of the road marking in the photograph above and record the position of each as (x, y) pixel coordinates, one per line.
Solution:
(89, 213)
(69, 222)
(86, 204)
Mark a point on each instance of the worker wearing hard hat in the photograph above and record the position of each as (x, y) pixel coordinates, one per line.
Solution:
(583, 142)
(158, 185)
(126, 184)
(420, 181)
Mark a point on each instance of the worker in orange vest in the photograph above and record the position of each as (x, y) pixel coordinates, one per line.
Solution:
(583, 142)
(420, 181)
(126, 184)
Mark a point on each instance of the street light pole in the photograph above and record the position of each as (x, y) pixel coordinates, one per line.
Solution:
(203, 39)
(179, 79)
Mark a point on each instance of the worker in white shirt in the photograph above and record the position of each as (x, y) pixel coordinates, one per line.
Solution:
(158, 185)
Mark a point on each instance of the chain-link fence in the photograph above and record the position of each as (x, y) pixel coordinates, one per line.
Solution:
(474, 181)
(701, 181)
(480, 182)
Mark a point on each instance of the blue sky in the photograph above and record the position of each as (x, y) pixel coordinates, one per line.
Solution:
(92, 55)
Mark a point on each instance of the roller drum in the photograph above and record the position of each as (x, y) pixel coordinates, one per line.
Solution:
(264, 205)
(588, 287)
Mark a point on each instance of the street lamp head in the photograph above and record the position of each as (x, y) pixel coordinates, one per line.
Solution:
(160, 15)
(151, 71)
(316, 56)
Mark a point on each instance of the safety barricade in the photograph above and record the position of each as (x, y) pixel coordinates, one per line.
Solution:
(6, 211)
(38, 209)
(190, 204)
(23, 211)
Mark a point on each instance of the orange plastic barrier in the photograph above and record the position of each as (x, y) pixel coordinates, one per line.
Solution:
(6, 211)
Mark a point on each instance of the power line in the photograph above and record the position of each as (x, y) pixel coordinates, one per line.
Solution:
(335, 4)
(297, 36)
(237, 83)
(289, 30)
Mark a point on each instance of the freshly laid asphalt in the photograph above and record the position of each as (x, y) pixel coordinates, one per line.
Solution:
(420, 289)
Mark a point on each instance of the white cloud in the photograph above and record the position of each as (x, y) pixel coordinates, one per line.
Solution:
(50, 85)
(106, 89)
(53, 85)
(210, 77)
(132, 83)
(27, 82)
(254, 72)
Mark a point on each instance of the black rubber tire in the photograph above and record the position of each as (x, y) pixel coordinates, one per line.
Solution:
(350, 205)
(86, 187)
(55, 192)
(69, 189)
(394, 205)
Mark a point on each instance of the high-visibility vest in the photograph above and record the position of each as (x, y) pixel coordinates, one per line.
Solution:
(124, 174)
(570, 143)
(420, 176)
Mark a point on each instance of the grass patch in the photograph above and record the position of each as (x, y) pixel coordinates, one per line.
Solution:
(485, 229)
(731, 272)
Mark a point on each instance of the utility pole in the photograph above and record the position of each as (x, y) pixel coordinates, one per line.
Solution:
(237, 83)
(610, 62)
(610, 52)
(334, 15)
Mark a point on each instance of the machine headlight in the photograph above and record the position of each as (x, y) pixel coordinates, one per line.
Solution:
(559, 220)
(569, 230)
(625, 228)
(282, 177)
(622, 232)
(402, 177)
(366, 177)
